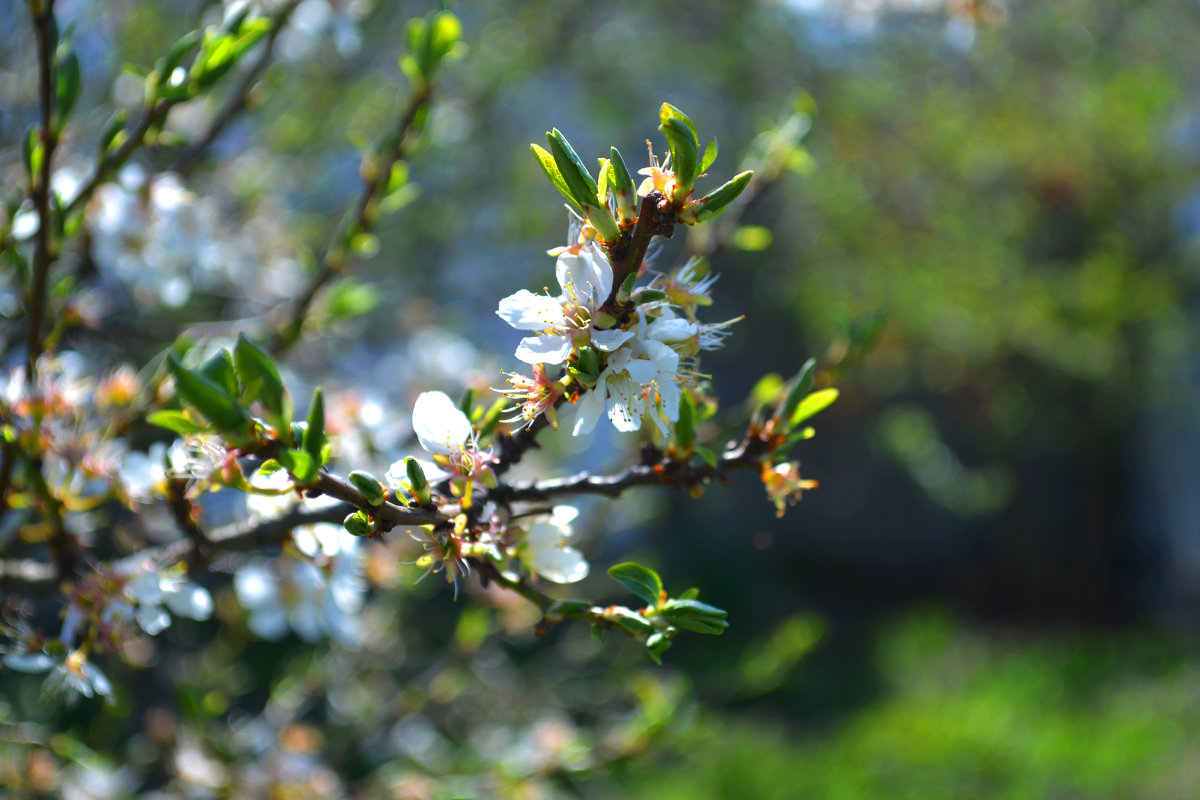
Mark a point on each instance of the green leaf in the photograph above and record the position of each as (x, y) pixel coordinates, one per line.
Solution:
(669, 112)
(586, 366)
(579, 181)
(628, 621)
(710, 155)
(563, 608)
(302, 466)
(314, 431)
(622, 180)
(715, 202)
(709, 456)
(642, 581)
(219, 369)
(657, 644)
(685, 427)
(815, 402)
(260, 380)
(801, 385)
(445, 33)
(685, 153)
(207, 397)
(349, 298)
(695, 616)
(66, 86)
(552, 172)
(176, 421)
(114, 126)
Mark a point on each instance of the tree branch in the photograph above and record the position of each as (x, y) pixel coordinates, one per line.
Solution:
(362, 219)
(39, 185)
(238, 99)
(665, 472)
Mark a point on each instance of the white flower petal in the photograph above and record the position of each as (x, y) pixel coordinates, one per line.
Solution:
(268, 622)
(256, 586)
(674, 329)
(611, 339)
(626, 406)
(153, 619)
(191, 601)
(29, 662)
(563, 516)
(438, 423)
(642, 370)
(145, 588)
(527, 311)
(588, 410)
(561, 565)
(549, 349)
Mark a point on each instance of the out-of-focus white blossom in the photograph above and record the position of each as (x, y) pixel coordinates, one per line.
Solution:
(315, 598)
(546, 552)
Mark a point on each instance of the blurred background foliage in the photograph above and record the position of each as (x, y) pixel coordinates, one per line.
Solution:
(989, 239)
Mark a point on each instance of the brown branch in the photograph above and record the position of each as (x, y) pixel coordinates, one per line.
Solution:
(362, 219)
(664, 472)
(655, 218)
(39, 184)
(389, 512)
(33, 575)
(238, 100)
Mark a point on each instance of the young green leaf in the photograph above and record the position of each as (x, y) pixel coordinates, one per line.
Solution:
(302, 466)
(642, 581)
(66, 87)
(579, 181)
(685, 153)
(552, 172)
(715, 202)
(710, 155)
(219, 369)
(209, 398)
(417, 483)
(314, 431)
(260, 380)
(176, 421)
(669, 112)
(815, 402)
(801, 385)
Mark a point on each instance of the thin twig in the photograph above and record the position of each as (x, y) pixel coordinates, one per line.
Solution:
(112, 161)
(362, 219)
(238, 99)
(666, 472)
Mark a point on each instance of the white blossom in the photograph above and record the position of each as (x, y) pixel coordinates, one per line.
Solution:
(546, 552)
(565, 322)
(639, 380)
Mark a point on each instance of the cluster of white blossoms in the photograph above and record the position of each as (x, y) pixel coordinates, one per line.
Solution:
(643, 359)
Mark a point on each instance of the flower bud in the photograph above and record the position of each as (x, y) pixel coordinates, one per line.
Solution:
(371, 488)
(416, 482)
(359, 524)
